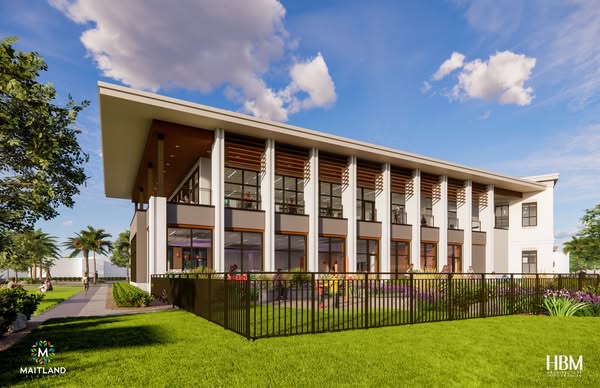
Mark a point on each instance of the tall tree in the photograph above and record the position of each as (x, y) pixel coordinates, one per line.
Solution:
(80, 244)
(41, 161)
(121, 252)
(101, 244)
(591, 234)
(575, 249)
(44, 251)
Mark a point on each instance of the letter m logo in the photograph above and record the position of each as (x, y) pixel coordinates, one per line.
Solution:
(42, 352)
(576, 365)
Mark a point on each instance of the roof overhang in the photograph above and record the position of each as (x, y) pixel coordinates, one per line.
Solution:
(126, 117)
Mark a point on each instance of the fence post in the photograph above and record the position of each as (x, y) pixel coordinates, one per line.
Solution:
(366, 300)
(248, 305)
(412, 298)
(313, 302)
(512, 293)
(209, 297)
(580, 281)
(559, 282)
(597, 280)
(536, 309)
(483, 296)
(449, 297)
(226, 303)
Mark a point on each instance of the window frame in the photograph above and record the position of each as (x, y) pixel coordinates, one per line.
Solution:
(501, 222)
(369, 243)
(526, 221)
(395, 256)
(245, 204)
(171, 259)
(330, 211)
(289, 250)
(423, 255)
(453, 259)
(285, 207)
(240, 263)
(362, 203)
(329, 251)
(528, 254)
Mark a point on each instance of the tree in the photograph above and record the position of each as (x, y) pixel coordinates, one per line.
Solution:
(86, 241)
(575, 249)
(44, 251)
(591, 234)
(41, 162)
(121, 252)
(100, 243)
(18, 255)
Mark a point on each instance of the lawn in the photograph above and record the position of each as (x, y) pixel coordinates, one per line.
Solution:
(179, 349)
(54, 297)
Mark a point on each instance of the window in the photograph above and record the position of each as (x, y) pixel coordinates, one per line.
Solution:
(289, 194)
(188, 249)
(501, 212)
(190, 190)
(398, 209)
(242, 189)
(330, 199)
(243, 249)
(365, 204)
(290, 252)
(530, 214)
(426, 212)
(454, 258)
(452, 215)
(529, 262)
(331, 254)
(429, 257)
(367, 255)
(399, 256)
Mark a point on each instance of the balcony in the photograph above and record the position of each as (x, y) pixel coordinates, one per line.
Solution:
(290, 208)
(193, 197)
(476, 225)
(248, 203)
(427, 220)
(369, 215)
(453, 222)
(399, 216)
(332, 212)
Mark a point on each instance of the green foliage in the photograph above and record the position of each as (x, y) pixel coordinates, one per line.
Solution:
(126, 295)
(120, 252)
(16, 300)
(86, 241)
(562, 307)
(41, 161)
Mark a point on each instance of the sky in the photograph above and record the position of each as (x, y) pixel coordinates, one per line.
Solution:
(502, 85)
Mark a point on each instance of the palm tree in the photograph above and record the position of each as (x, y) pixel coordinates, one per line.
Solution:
(574, 249)
(44, 250)
(89, 240)
(81, 243)
(101, 244)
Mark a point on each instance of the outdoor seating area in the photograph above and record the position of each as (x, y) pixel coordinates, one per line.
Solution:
(259, 305)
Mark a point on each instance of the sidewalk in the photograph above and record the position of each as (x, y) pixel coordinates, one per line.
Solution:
(90, 305)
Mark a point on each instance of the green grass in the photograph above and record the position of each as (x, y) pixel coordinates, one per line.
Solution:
(180, 349)
(52, 298)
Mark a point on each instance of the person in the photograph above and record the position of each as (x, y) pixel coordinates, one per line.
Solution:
(12, 284)
(321, 287)
(233, 268)
(411, 268)
(291, 206)
(46, 286)
(280, 291)
(423, 221)
(248, 200)
(333, 290)
(470, 271)
(95, 277)
(86, 283)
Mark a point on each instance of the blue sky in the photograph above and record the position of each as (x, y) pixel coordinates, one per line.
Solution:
(507, 86)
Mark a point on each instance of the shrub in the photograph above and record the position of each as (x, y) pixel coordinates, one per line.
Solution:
(16, 300)
(562, 307)
(126, 295)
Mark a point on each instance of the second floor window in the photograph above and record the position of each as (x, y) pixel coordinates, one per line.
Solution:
(365, 204)
(242, 189)
(452, 216)
(530, 214)
(398, 209)
(189, 191)
(289, 194)
(330, 202)
(501, 215)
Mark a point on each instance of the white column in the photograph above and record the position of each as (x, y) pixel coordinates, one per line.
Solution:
(217, 159)
(440, 215)
(413, 217)
(311, 206)
(467, 250)
(267, 194)
(487, 219)
(383, 205)
(150, 240)
(349, 204)
(160, 235)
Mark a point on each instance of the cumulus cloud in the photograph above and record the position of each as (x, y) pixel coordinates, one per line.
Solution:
(455, 61)
(200, 45)
(501, 78)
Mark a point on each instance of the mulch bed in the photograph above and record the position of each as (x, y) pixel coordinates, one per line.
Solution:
(155, 305)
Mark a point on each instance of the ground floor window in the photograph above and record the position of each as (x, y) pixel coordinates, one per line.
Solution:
(244, 250)
(454, 263)
(290, 252)
(188, 249)
(429, 257)
(529, 262)
(399, 256)
(367, 255)
(331, 254)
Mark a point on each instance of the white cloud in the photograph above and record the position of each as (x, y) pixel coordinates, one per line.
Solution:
(455, 61)
(68, 223)
(502, 78)
(426, 87)
(198, 45)
(313, 78)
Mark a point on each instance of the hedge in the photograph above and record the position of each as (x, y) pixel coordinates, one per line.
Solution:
(16, 300)
(126, 295)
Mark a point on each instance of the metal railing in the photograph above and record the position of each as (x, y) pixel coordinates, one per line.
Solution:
(398, 217)
(259, 305)
(332, 212)
(452, 222)
(244, 204)
(290, 208)
(370, 215)
(476, 225)
(193, 197)
(427, 220)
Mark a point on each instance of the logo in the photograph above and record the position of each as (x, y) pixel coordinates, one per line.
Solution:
(42, 352)
(562, 365)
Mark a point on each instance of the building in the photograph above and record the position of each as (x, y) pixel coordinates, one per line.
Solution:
(216, 188)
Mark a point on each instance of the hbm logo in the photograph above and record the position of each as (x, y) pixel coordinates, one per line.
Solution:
(562, 365)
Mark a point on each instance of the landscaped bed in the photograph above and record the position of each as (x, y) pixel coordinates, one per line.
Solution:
(178, 348)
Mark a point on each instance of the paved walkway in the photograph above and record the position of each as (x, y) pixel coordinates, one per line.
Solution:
(79, 305)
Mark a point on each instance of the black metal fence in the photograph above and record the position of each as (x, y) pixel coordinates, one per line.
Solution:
(258, 305)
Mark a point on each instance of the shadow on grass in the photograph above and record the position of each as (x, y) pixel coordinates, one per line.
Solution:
(76, 335)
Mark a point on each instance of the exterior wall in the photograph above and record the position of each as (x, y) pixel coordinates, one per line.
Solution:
(190, 215)
(74, 267)
(440, 214)
(333, 226)
(383, 205)
(402, 232)
(244, 219)
(413, 216)
(138, 228)
(430, 234)
(500, 251)
(456, 236)
(311, 203)
(349, 204)
(368, 230)
(539, 238)
(478, 254)
(291, 223)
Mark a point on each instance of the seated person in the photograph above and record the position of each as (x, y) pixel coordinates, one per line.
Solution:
(248, 200)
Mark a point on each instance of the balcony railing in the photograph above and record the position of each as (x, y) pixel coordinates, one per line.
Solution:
(398, 217)
(331, 212)
(427, 220)
(476, 225)
(199, 197)
(290, 208)
(452, 222)
(370, 215)
(245, 204)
